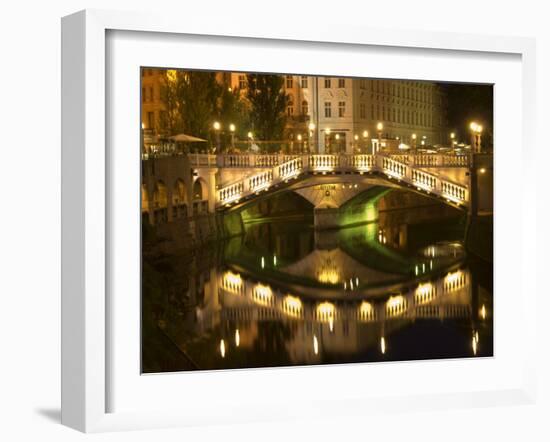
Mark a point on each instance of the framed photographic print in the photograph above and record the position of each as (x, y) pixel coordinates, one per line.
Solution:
(260, 221)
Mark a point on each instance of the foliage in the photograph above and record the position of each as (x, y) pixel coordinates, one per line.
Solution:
(171, 121)
(268, 102)
(233, 110)
(198, 93)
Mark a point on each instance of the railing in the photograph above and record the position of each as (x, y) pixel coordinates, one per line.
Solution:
(433, 160)
(202, 160)
(252, 160)
(320, 163)
(261, 181)
(389, 165)
(231, 193)
(290, 168)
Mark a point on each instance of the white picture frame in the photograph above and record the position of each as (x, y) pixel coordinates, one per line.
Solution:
(86, 356)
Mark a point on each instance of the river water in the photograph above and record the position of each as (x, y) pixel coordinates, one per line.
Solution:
(283, 294)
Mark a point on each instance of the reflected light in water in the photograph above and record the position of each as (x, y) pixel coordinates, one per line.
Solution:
(483, 312)
(237, 338)
(292, 306)
(331, 324)
(328, 274)
(424, 293)
(315, 345)
(232, 282)
(326, 311)
(395, 305)
(453, 277)
(366, 311)
(395, 301)
(222, 348)
(454, 280)
(262, 294)
(383, 345)
(474, 345)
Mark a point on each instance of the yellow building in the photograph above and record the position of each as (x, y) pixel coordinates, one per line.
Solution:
(333, 113)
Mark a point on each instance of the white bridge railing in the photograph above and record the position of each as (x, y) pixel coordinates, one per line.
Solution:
(395, 168)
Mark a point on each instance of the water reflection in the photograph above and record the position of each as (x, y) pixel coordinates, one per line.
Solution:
(287, 296)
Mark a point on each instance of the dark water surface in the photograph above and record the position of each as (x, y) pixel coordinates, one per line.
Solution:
(283, 295)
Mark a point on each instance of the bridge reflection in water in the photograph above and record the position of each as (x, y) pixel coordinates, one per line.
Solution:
(285, 295)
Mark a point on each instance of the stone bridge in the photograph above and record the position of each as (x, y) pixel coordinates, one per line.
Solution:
(176, 186)
(245, 177)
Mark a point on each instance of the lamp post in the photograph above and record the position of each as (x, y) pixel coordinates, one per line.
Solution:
(476, 136)
(476, 148)
(452, 135)
(250, 138)
(413, 137)
(327, 140)
(365, 137)
(217, 127)
(232, 132)
(300, 145)
(379, 128)
(312, 133)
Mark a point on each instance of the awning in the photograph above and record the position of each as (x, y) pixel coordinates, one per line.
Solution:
(184, 138)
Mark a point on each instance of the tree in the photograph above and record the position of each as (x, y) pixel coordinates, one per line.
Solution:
(171, 121)
(268, 103)
(233, 110)
(198, 94)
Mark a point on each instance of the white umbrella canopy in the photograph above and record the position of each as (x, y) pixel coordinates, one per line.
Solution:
(184, 138)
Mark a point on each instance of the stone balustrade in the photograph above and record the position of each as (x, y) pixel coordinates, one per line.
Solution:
(402, 168)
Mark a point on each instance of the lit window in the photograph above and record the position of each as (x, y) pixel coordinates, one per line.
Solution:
(289, 82)
(290, 109)
(305, 108)
(341, 108)
(242, 81)
(328, 108)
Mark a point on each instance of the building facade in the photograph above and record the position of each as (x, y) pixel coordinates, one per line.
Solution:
(343, 114)
(336, 114)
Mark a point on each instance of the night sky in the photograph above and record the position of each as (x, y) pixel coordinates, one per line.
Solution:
(470, 102)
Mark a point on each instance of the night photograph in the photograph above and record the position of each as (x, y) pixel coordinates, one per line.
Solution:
(291, 220)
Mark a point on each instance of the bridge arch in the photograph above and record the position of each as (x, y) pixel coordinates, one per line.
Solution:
(200, 195)
(145, 209)
(179, 199)
(160, 202)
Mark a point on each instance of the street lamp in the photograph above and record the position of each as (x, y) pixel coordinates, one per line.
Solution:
(312, 132)
(232, 131)
(299, 138)
(327, 139)
(476, 136)
(379, 128)
(413, 136)
(452, 139)
(217, 127)
(365, 136)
